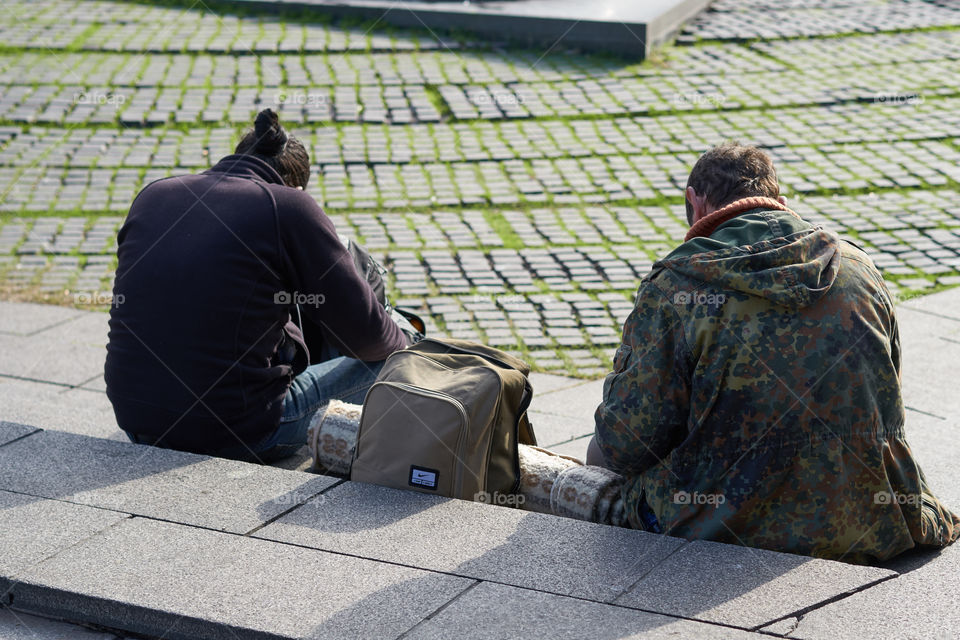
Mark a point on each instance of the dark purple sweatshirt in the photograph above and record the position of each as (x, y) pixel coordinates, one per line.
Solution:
(205, 261)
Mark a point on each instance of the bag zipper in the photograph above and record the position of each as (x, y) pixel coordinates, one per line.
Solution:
(521, 410)
(505, 365)
(457, 469)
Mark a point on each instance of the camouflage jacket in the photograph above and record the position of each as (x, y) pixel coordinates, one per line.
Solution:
(755, 398)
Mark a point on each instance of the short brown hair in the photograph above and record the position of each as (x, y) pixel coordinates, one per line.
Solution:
(730, 172)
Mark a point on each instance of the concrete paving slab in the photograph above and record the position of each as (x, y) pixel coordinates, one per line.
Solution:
(56, 407)
(97, 384)
(944, 303)
(69, 353)
(576, 448)
(35, 529)
(89, 327)
(10, 431)
(99, 420)
(744, 587)
(159, 483)
(169, 580)
(481, 541)
(579, 402)
(935, 446)
(782, 627)
(924, 603)
(22, 319)
(553, 429)
(16, 625)
(498, 611)
(547, 382)
(930, 347)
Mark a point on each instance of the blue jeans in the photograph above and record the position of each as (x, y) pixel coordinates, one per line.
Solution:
(340, 378)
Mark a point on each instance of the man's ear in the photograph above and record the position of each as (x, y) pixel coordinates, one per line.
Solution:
(698, 203)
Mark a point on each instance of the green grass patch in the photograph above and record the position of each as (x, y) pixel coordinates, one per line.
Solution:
(498, 222)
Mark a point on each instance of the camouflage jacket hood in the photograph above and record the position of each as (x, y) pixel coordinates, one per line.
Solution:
(793, 269)
(755, 398)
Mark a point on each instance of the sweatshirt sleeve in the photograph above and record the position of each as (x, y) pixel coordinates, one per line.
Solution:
(334, 295)
(646, 398)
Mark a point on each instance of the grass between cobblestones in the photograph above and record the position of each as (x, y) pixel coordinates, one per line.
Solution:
(517, 197)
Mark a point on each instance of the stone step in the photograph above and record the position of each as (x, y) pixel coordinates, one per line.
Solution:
(175, 545)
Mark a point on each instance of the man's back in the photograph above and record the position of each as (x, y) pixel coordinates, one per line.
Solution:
(756, 398)
(199, 265)
(202, 351)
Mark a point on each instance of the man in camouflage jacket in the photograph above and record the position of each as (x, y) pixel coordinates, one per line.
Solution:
(755, 398)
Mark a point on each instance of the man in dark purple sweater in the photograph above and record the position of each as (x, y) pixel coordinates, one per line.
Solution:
(202, 354)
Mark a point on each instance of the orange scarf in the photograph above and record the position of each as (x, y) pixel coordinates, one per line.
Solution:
(708, 224)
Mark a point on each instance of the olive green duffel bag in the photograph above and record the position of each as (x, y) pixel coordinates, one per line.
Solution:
(446, 417)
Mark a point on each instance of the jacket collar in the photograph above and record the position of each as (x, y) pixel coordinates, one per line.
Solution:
(246, 166)
(708, 224)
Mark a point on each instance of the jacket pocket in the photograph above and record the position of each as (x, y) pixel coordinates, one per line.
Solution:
(622, 358)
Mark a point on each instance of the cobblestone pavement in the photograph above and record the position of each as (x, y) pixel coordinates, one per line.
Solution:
(517, 196)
